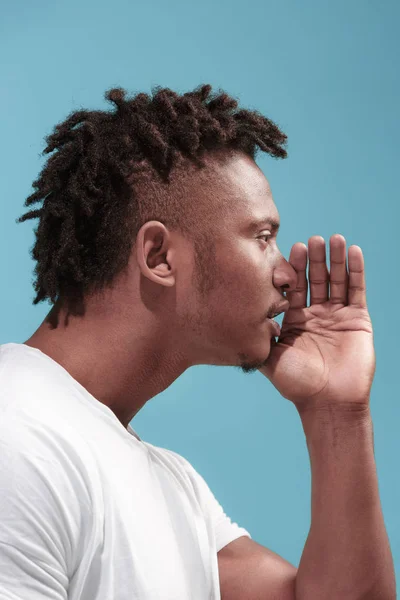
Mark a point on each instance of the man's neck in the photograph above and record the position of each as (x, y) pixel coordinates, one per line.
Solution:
(119, 368)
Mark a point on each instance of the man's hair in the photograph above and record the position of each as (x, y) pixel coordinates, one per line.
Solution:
(112, 171)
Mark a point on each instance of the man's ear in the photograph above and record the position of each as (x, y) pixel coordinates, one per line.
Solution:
(154, 253)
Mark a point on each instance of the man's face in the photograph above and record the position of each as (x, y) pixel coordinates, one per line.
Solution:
(242, 279)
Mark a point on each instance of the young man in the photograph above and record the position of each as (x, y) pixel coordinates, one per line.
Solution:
(157, 245)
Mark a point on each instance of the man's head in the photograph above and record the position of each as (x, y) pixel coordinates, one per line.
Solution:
(164, 195)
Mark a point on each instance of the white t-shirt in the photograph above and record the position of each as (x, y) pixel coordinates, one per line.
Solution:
(88, 510)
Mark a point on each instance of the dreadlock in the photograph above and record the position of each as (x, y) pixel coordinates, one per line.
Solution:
(111, 173)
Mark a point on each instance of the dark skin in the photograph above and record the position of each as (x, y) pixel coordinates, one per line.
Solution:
(137, 338)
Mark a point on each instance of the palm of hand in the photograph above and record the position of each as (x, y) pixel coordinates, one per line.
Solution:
(325, 353)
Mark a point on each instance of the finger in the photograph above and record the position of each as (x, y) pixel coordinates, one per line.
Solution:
(357, 289)
(318, 272)
(298, 259)
(338, 280)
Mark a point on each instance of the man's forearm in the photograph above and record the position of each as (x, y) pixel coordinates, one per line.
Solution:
(347, 553)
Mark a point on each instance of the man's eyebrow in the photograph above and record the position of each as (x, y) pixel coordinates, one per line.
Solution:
(273, 223)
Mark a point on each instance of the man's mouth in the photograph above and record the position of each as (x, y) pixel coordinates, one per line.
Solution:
(278, 309)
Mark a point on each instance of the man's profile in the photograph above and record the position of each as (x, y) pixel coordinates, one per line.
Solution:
(157, 246)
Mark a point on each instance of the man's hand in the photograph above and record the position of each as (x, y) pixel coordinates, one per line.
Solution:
(325, 354)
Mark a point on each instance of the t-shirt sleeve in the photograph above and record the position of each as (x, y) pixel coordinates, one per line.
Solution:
(225, 530)
(38, 526)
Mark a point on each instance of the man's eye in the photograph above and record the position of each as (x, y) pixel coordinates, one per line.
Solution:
(266, 235)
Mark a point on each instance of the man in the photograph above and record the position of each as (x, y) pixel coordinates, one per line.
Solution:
(157, 246)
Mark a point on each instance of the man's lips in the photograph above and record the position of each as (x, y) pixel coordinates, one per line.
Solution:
(277, 309)
(275, 326)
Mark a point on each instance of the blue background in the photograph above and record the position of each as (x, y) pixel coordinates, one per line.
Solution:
(327, 73)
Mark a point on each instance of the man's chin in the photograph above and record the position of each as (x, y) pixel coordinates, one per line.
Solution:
(251, 366)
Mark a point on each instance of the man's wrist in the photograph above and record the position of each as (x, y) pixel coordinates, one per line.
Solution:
(338, 416)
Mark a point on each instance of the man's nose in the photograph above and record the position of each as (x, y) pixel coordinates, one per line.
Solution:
(285, 277)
